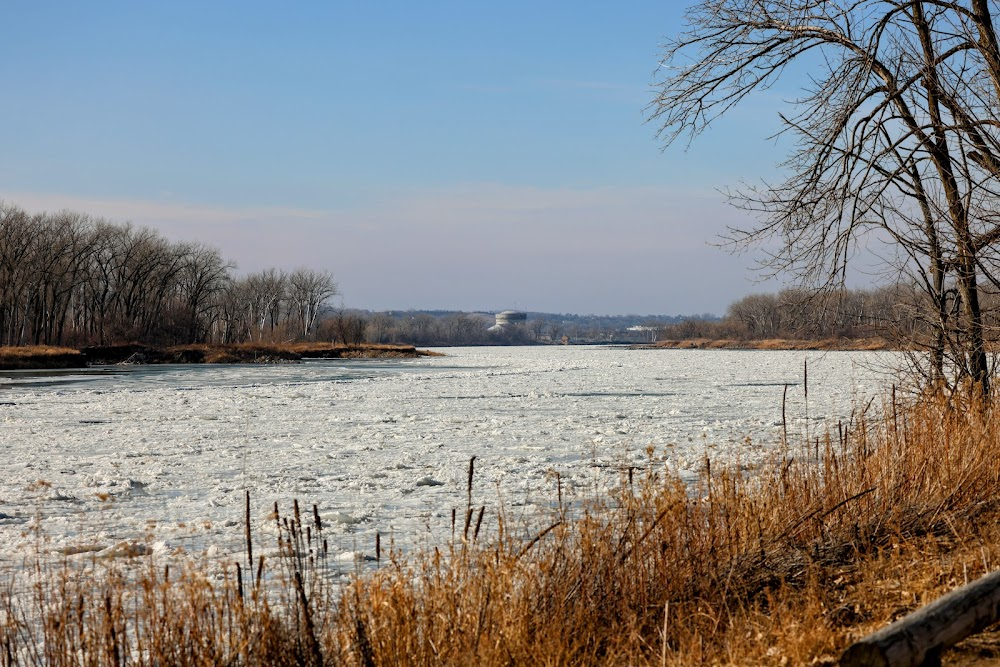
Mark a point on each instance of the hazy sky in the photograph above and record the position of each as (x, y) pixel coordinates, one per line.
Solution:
(451, 155)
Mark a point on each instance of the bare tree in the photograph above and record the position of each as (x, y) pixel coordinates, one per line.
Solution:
(897, 141)
(68, 238)
(539, 328)
(462, 328)
(17, 238)
(203, 276)
(265, 291)
(308, 293)
(345, 327)
(380, 327)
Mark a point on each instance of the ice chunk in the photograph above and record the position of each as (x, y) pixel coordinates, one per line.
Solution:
(77, 549)
(126, 549)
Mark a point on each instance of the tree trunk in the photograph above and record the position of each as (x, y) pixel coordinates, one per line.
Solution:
(919, 638)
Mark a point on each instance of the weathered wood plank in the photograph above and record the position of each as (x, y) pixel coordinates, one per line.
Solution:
(919, 638)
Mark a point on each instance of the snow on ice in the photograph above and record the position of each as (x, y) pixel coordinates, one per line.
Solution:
(140, 460)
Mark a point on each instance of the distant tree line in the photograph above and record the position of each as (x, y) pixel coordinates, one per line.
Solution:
(71, 279)
(443, 327)
(890, 312)
(797, 313)
(426, 328)
(898, 313)
(430, 328)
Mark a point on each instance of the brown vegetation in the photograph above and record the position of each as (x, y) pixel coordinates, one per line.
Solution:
(23, 358)
(41, 357)
(244, 353)
(783, 565)
(849, 344)
(357, 350)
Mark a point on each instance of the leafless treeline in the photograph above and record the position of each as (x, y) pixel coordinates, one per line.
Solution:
(421, 328)
(795, 313)
(897, 313)
(71, 279)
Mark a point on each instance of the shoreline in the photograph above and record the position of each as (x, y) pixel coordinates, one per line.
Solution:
(779, 344)
(55, 358)
(59, 358)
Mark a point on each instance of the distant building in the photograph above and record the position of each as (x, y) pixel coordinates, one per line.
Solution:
(645, 331)
(507, 319)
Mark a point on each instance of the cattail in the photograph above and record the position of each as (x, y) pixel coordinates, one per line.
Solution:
(247, 529)
(479, 522)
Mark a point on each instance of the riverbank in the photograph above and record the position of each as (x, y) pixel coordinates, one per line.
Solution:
(50, 358)
(824, 344)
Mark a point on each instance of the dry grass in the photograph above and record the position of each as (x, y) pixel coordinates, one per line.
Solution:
(244, 353)
(790, 564)
(138, 614)
(851, 344)
(39, 356)
(358, 350)
(277, 352)
(783, 565)
(271, 352)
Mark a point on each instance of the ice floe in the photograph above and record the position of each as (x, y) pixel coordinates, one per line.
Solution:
(116, 461)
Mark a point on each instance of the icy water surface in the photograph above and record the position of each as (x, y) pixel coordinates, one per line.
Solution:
(161, 455)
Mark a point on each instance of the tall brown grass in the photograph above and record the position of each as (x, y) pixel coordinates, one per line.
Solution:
(271, 352)
(786, 564)
(828, 344)
(40, 356)
(44, 357)
(243, 352)
(141, 613)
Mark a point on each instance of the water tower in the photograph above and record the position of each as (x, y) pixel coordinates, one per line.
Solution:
(509, 318)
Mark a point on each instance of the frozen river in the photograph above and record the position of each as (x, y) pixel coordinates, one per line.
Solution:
(160, 455)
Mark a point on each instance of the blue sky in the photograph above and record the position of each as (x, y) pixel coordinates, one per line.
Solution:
(431, 155)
